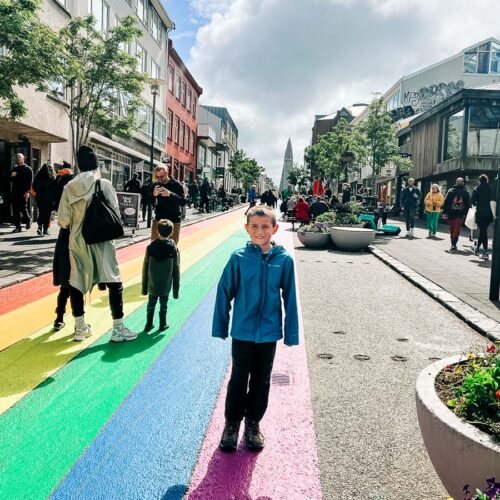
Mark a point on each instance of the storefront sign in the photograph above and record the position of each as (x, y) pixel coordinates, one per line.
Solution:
(129, 208)
(219, 171)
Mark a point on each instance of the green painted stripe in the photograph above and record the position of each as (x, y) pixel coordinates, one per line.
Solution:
(45, 433)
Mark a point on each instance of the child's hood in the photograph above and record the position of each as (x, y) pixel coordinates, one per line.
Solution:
(162, 249)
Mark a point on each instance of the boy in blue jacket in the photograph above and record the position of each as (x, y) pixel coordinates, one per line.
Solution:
(256, 278)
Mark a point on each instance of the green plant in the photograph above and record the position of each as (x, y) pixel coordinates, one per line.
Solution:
(346, 218)
(315, 227)
(472, 390)
(492, 492)
(327, 218)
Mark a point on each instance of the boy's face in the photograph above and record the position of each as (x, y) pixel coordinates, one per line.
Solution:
(261, 230)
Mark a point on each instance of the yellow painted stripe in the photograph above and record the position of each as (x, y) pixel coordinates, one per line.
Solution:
(35, 358)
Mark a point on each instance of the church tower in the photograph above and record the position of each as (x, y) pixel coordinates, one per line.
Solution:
(287, 165)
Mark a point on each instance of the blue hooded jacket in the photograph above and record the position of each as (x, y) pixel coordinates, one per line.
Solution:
(257, 285)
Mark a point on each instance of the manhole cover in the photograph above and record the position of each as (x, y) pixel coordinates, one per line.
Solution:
(325, 355)
(338, 332)
(280, 378)
(401, 359)
(402, 339)
(361, 357)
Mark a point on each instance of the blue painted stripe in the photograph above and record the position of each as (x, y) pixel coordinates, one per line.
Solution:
(149, 447)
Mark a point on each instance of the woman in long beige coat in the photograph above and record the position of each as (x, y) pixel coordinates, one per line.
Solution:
(91, 264)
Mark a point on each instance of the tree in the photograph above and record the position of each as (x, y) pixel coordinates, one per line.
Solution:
(101, 78)
(30, 57)
(381, 141)
(298, 176)
(311, 159)
(246, 170)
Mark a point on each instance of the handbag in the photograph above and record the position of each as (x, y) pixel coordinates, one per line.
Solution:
(470, 220)
(101, 223)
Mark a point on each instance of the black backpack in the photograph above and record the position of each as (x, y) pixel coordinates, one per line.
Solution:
(457, 204)
(101, 223)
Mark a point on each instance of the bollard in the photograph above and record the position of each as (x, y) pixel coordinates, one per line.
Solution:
(495, 257)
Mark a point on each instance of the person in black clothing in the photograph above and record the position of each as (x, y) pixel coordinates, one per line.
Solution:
(22, 179)
(64, 175)
(43, 185)
(205, 192)
(146, 197)
(318, 207)
(346, 194)
(193, 193)
(133, 185)
(481, 197)
(169, 195)
(456, 205)
(328, 193)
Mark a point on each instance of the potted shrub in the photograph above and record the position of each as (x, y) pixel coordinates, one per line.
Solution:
(347, 232)
(314, 235)
(458, 408)
(348, 215)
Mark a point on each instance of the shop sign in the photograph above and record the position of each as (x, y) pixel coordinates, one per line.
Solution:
(129, 208)
(219, 171)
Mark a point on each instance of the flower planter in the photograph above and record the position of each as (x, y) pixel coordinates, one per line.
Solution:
(312, 239)
(352, 239)
(461, 453)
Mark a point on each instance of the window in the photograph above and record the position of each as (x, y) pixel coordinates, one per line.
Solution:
(155, 70)
(100, 11)
(453, 135)
(176, 129)
(3, 51)
(142, 119)
(170, 119)
(187, 137)
(141, 11)
(159, 129)
(142, 58)
(189, 100)
(181, 135)
(178, 87)
(57, 89)
(155, 26)
(483, 59)
(393, 101)
(202, 156)
(483, 137)
(171, 78)
(183, 94)
(193, 142)
(125, 46)
(194, 107)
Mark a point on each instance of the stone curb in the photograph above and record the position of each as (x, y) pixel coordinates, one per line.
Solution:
(25, 276)
(475, 319)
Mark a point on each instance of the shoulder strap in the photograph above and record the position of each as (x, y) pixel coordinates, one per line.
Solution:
(98, 186)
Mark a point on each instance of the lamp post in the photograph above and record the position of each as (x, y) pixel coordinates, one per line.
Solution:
(154, 83)
(347, 158)
(495, 256)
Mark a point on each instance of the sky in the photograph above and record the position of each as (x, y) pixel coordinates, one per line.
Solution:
(276, 63)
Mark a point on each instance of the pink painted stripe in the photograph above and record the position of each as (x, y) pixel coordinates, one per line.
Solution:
(287, 468)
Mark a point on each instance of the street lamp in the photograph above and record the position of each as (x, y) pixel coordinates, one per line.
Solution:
(154, 83)
(347, 158)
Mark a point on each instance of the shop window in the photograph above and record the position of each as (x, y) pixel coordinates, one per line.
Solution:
(483, 136)
(454, 126)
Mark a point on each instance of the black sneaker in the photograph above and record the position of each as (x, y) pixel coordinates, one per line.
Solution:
(58, 325)
(17, 230)
(148, 327)
(254, 439)
(39, 231)
(164, 327)
(28, 225)
(229, 439)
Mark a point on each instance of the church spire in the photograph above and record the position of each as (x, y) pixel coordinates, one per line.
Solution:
(287, 165)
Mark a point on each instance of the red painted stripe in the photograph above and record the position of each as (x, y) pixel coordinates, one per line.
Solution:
(20, 294)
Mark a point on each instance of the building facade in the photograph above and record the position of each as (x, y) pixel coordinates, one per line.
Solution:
(182, 118)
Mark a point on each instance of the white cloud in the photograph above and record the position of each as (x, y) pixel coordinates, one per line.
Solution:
(276, 63)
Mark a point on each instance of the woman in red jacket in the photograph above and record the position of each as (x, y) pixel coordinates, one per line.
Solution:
(302, 211)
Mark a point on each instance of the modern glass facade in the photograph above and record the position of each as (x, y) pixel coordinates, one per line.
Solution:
(483, 59)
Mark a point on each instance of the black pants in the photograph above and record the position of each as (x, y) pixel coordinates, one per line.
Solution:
(44, 213)
(115, 291)
(150, 308)
(62, 300)
(483, 235)
(20, 209)
(255, 362)
(205, 204)
(410, 218)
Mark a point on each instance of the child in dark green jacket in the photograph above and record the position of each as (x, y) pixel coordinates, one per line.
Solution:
(160, 273)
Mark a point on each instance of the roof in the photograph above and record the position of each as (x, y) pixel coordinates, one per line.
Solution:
(172, 53)
(222, 113)
(354, 110)
(491, 86)
(160, 9)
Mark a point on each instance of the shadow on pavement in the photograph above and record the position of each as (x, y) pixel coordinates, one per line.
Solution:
(175, 492)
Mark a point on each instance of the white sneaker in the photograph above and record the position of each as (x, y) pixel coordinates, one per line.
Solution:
(82, 333)
(408, 234)
(122, 334)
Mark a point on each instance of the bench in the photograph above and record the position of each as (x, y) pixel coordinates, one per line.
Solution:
(290, 217)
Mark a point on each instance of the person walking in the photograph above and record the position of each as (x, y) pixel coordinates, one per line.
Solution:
(169, 195)
(91, 264)
(146, 197)
(205, 192)
(409, 201)
(64, 175)
(160, 274)
(433, 203)
(193, 193)
(256, 324)
(456, 205)
(43, 186)
(346, 194)
(22, 180)
(133, 185)
(252, 197)
(481, 197)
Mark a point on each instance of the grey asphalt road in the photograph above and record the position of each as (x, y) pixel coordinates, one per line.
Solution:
(380, 332)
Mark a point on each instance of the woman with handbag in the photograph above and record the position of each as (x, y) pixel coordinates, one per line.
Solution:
(481, 197)
(92, 263)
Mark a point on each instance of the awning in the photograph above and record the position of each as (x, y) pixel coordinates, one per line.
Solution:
(31, 133)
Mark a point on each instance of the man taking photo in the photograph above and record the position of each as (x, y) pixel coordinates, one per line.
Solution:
(169, 195)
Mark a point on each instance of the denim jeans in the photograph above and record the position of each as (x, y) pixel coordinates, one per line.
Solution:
(410, 218)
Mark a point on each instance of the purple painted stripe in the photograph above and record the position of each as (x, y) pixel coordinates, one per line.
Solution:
(287, 468)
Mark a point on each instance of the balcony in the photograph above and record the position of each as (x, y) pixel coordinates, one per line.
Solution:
(207, 135)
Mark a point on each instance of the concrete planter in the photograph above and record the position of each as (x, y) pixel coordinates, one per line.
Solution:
(313, 240)
(461, 453)
(352, 239)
